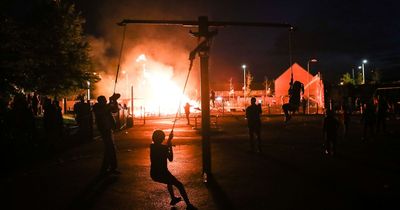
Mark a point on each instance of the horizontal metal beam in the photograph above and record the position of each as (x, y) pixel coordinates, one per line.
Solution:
(192, 23)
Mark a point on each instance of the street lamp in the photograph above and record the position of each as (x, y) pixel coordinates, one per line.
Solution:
(363, 72)
(244, 79)
(313, 60)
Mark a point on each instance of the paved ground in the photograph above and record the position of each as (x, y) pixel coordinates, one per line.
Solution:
(291, 173)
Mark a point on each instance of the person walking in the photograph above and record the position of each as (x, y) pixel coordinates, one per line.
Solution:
(105, 124)
(253, 116)
(159, 154)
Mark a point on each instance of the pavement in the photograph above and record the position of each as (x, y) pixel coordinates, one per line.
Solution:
(291, 173)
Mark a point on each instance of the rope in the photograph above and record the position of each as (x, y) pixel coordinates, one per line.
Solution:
(119, 59)
(192, 56)
(183, 92)
(291, 55)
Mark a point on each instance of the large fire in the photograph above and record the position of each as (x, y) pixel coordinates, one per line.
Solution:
(155, 89)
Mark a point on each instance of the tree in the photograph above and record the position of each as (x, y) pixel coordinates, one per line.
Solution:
(347, 79)
(50, 51)
(249, 80)
(11, 71)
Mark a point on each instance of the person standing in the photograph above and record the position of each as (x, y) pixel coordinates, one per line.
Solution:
(212, 98)
(105, 124)
(83, 118)
(330, 130)
(369, 119)
(59, 124)
(253, 115)
(187, 112)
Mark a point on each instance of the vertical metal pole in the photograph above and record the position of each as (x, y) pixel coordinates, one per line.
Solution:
(205, 101)
(363, 74)
(308, 87)
(244, 86)
(65, 105)
(88, 91)
(132, 107)
(223, 107)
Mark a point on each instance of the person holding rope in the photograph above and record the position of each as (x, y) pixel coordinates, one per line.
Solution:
(105, 124)
(159, 154)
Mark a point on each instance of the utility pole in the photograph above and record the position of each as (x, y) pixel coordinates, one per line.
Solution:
(205, 98)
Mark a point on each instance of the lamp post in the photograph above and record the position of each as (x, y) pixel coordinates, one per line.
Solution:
(244, 82)
(313, 60)
(88, 91)
(363, 72)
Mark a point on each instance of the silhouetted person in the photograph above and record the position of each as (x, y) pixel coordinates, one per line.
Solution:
(159, 172)
(330, 130)
(49, 123)
(83, 118)
(295, 91)
(21, 123)
(212, 97)
(382, 113)
(115, 107)
(59, 124)
(48, 114)
(187, 112)
(253, 113)
(105, 124)
(369, 120)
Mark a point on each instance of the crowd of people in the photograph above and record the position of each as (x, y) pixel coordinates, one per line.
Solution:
(29, 123)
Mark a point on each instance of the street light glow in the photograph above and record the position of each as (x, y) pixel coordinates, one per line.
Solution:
(244, 66)
(364, 61)
(359, 67)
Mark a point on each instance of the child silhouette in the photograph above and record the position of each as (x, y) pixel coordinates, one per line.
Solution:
(159, 153)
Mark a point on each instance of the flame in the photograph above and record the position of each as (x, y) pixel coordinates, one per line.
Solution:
(155, 91)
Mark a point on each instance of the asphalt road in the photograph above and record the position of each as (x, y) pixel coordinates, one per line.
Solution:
(291, 173)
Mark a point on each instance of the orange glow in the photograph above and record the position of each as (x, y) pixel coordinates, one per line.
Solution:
(155, 88)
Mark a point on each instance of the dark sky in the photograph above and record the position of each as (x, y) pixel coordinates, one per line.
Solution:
(338, 33)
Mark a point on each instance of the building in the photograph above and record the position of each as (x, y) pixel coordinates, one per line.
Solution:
(313, 86)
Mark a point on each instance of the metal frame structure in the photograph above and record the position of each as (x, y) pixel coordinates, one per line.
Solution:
(203, 25)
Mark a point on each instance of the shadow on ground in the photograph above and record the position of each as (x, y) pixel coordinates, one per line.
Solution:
(91, 193)
(218, 194)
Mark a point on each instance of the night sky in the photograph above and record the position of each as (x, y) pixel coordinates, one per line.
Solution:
(338, 33)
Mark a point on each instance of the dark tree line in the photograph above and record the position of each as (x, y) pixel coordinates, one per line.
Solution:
(43, 48)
